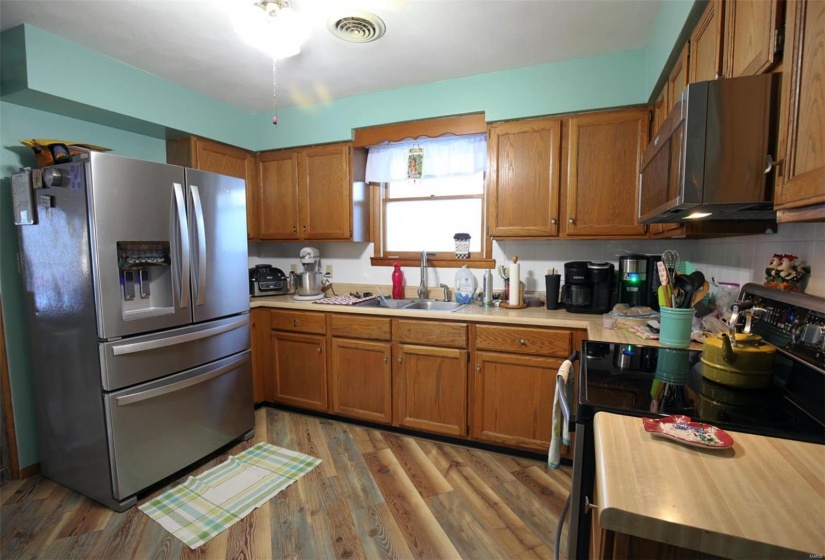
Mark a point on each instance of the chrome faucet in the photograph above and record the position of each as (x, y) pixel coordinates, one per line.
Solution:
(422, 287)
(446, 291)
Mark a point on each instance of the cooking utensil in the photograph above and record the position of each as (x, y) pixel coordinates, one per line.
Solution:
(699, 294)
(689, 284)
(664, 292)
(684, 283)
(671, 260)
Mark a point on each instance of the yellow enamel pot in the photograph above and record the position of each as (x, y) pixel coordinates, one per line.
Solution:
(749, 364)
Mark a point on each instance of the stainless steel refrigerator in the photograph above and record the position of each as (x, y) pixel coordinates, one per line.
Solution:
(137, 292)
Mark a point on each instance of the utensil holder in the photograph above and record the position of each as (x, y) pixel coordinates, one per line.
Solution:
(675, 326)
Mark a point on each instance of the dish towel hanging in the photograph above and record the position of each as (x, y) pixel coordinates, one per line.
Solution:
(560, 432)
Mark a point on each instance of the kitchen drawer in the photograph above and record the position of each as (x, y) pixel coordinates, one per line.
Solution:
(521, 340)
(351, 326)
(298, 321)
(433, 333)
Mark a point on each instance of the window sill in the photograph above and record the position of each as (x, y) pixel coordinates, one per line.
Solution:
(434, 262)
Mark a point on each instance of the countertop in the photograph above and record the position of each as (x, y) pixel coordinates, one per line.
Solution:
(761, 498)
(529, 316)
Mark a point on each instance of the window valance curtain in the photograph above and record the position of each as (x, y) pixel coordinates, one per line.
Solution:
(447, 156)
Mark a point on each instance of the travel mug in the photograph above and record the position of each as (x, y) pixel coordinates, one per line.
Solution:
(552, 282)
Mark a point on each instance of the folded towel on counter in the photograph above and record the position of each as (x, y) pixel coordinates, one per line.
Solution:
(560, 431)
(344, 299)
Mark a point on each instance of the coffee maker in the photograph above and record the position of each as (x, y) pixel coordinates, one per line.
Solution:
(638, 280)
(588, 287)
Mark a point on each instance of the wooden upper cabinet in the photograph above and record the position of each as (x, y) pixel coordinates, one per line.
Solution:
(678, 79)
(802, 182)
(706, 44)
(306, 193)
(523, 178)
(659, 110)
(752, 39)
(207, 155)
(278, 195)
(325, 192)
(603, 164)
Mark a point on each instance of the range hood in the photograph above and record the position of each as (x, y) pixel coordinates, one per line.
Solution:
(710, 159)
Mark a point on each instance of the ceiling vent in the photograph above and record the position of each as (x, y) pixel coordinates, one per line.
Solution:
(357, 27)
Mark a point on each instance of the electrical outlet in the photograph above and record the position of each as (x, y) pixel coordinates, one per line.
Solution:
(329, 269)
(293, 268)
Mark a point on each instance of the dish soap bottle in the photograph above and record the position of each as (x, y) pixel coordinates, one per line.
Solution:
(465, 285)
(397, 282)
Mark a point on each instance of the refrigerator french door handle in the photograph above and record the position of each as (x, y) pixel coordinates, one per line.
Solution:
(136, 347)
(199, 268)
(182, 234)
(152, 393)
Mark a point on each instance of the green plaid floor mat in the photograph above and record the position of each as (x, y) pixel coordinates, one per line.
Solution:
(208, 504)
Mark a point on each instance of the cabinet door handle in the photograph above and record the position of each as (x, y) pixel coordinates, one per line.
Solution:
(572, 220)
(478, 368)
(400, 359)
(522, 342)
(295, 322)
(305, 229)
(294, 229)
(319, 350)
(386, 359)
(553, 221)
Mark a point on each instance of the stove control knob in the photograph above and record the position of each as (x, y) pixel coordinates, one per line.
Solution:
(813, 335)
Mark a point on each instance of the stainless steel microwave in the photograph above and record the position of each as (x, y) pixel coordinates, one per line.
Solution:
(711, 156)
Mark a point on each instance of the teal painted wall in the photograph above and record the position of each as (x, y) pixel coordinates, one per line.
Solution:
(669, 23)
(563, 87)
(115, 105)
(20, 123)
(143, 102)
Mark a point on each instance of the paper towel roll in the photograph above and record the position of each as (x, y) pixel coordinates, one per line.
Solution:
(515, 284)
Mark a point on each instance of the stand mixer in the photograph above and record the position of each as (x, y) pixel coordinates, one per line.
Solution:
(309, 283)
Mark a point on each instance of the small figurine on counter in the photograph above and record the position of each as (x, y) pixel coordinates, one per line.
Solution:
(787, 274)
(771, 273)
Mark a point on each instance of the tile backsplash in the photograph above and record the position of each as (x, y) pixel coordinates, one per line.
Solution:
(734, 259)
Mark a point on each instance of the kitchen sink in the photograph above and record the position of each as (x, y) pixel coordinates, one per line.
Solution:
(415, 304)
(434, 305)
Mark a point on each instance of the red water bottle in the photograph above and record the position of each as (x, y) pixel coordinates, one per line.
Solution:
(397, 282)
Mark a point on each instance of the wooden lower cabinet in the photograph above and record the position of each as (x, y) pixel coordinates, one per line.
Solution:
(361, 379)
(431, 389)
(513, 399)
(261, 361)
(299, 363)
(416, 373)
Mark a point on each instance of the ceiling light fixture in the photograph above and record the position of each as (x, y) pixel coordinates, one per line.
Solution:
(273, 27)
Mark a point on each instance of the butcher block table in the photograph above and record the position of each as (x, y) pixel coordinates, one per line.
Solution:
(761, 498)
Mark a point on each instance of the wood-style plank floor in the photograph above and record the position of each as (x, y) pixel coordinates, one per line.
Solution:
(376, 494)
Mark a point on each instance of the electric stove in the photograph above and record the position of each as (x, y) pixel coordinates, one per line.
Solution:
(638, 380)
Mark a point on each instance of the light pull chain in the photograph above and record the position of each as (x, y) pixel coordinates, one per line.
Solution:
(275, 91)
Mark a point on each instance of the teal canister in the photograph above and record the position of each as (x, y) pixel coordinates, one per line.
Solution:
(675, 326)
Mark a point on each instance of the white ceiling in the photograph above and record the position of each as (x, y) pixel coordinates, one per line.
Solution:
(192, 43)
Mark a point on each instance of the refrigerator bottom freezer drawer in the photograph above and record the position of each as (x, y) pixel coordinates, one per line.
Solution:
(159, 428)
(139, 359)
